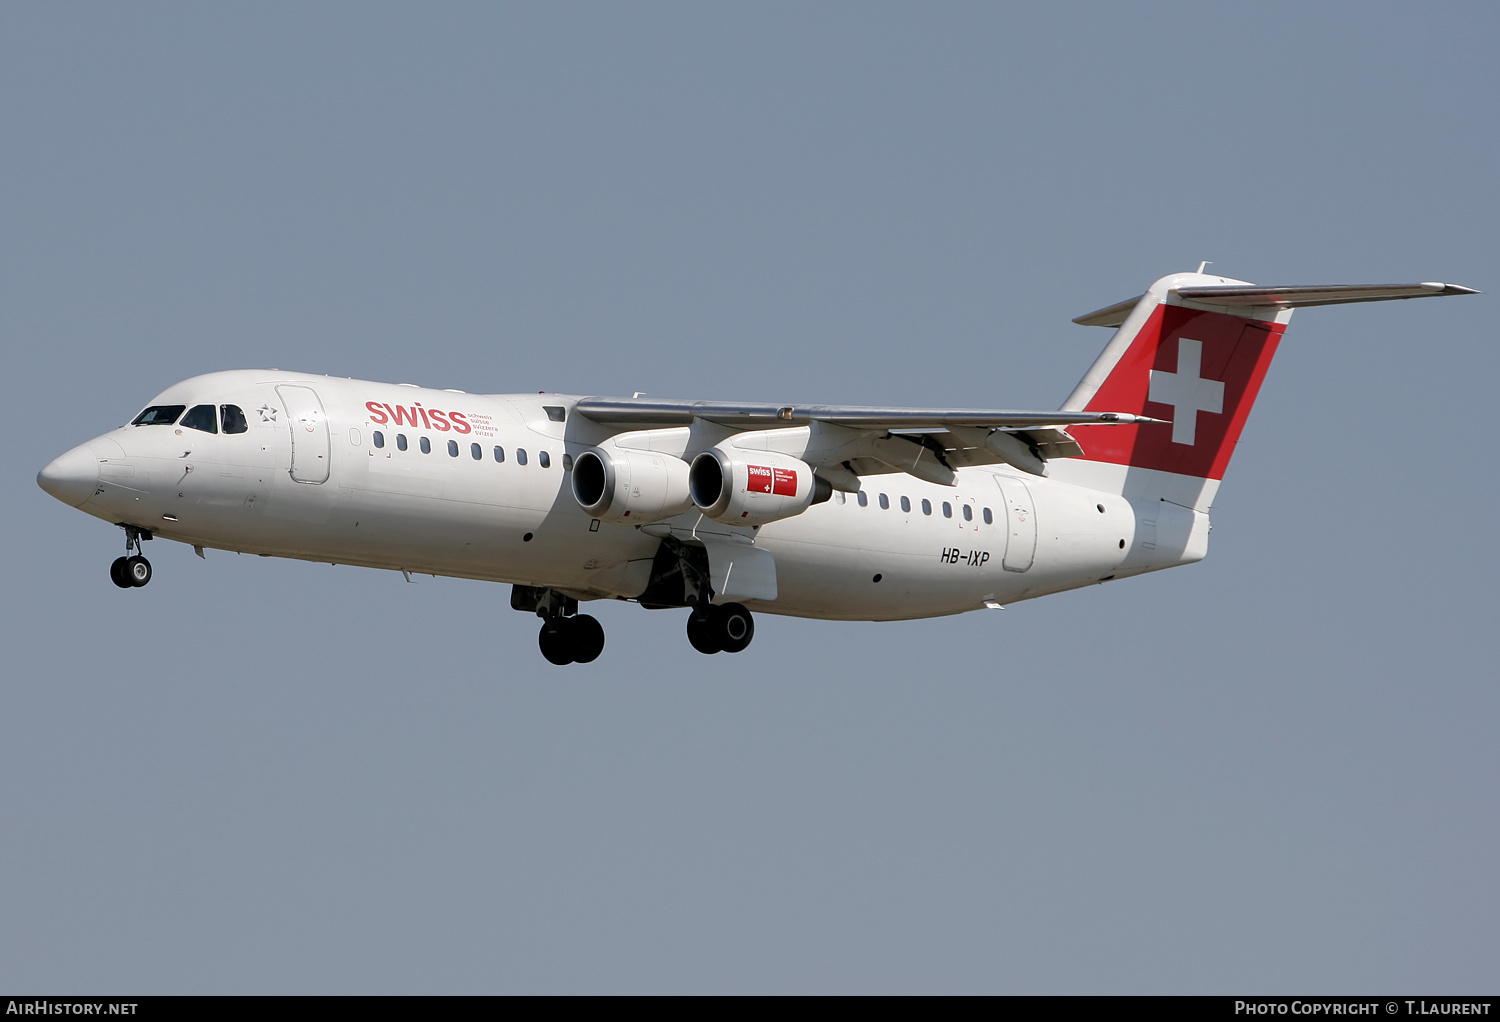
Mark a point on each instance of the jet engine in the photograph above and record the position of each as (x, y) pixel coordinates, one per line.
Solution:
(630, 487)
(741, 487)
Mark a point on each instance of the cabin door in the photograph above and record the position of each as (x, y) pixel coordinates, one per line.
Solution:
(309, 425)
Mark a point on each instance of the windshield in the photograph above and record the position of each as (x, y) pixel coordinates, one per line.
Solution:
(201, 417)
(158, 415)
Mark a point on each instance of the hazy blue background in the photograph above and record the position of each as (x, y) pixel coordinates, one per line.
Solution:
(1274, 771)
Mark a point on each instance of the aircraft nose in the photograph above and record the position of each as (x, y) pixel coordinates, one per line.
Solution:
(71, 478)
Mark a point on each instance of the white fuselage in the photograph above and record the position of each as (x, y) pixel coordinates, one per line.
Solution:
(316, 486)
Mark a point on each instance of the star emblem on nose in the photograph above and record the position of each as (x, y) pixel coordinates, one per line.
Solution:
(267, 413)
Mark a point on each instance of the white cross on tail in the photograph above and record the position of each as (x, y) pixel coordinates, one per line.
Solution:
(1186, 391)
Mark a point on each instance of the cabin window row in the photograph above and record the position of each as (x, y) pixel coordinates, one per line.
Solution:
(967, 510)
(476, 451)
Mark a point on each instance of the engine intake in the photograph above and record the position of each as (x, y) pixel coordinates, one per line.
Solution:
(741, 487)
(630, 487)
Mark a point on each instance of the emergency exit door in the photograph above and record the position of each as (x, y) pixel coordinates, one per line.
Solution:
(1020, 522)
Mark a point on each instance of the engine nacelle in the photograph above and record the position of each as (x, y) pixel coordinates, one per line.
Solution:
(741, 487)
(630, 487)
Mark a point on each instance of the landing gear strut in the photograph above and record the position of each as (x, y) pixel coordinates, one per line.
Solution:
(567, 637)
(680, 577)
(727, 628)
(131, 571)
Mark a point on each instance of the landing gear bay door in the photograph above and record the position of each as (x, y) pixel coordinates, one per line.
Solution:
(739, 571)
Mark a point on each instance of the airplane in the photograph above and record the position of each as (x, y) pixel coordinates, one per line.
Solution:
(723, 509)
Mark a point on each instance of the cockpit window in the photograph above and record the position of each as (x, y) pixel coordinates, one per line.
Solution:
(234, 419)
(158, 415)
(202, 417)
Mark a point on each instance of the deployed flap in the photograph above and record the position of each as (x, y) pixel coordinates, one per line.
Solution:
(739, 571)
(1054, 443)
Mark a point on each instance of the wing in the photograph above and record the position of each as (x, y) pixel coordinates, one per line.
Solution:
(639, 413)
(929, 443)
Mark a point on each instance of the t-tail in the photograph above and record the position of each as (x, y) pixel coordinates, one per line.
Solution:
(1191, 351)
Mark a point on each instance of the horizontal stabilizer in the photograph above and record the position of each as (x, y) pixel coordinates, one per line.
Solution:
(1112, 315)
(1301, 295)
(1292, 297)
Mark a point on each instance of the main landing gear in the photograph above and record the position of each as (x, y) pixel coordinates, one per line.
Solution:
(571, 640)
(567, 637)
(131, 571)
(680, 578)
(727, 628)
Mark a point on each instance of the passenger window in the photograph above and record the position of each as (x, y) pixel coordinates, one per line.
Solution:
(839, 497)
(968, 513)
(158, 415)
(233, 419)
(905, 505)
(544, 459)
(202, 417)
(452, 448)
(989, 519)
(947, 510)
(885, 502)
(555, 413)
(567, 463)
(426, 445)
(476, 452)
(520, 455)
(377, 438)
(400, 441)
(864, 499)
(926, 506)
(500, 454)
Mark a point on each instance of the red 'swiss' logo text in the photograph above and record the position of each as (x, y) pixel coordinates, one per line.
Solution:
(781, 481)
(416, 415)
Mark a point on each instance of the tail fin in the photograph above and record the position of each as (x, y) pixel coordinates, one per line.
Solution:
(1192, 350)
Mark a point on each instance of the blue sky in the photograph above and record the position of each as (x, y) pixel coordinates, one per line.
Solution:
(1273, 771)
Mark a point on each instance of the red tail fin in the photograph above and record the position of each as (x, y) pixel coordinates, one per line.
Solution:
(1199, 370)
(1193, 350)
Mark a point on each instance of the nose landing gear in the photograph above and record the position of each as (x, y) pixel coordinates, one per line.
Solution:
(131, 571)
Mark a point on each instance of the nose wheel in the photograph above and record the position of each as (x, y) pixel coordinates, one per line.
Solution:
(727, 628)
(131, 571)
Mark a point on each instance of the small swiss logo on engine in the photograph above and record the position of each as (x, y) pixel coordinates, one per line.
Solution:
(780, 481)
